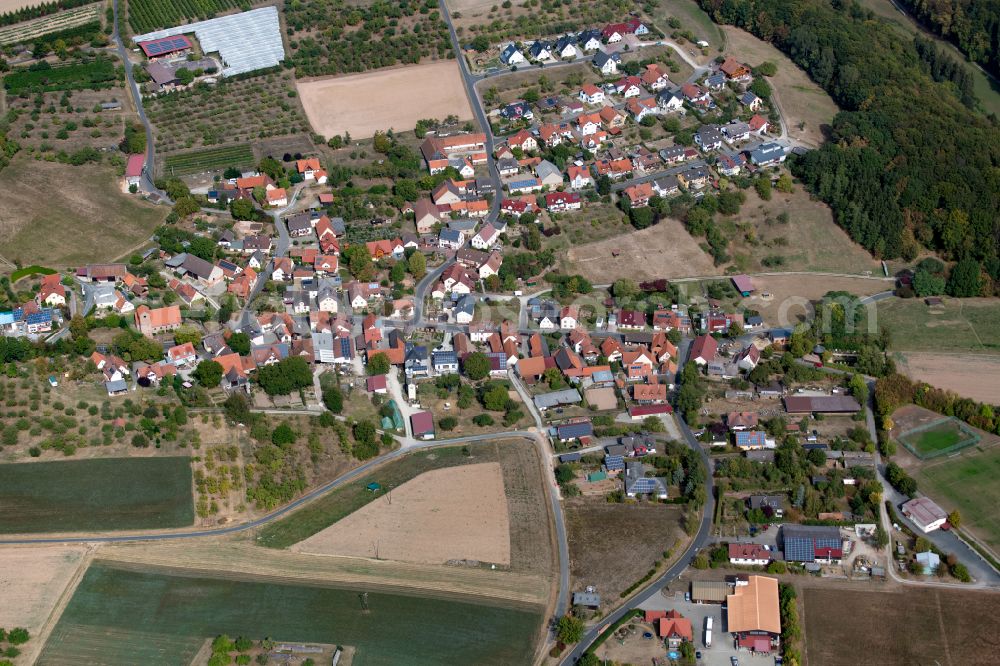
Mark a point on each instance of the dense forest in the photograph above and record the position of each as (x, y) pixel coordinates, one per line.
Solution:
(907, 164)
(971, 25)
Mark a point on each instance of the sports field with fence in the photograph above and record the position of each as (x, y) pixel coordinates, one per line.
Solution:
(938, 438)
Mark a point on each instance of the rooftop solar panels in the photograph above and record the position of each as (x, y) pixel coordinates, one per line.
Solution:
(246, 41)
(159, 47)
(614, 462)
(644, 485)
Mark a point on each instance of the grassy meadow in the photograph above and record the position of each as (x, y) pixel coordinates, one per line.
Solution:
(96, 495)
(967, 482)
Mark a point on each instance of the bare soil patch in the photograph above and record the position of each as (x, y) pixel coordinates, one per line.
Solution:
(393, 98)
(456, 513)
(13, 5)
(665, 250)
(975, 376)
(914, 626)
(611, 546)
(32, 579)
(801, 100)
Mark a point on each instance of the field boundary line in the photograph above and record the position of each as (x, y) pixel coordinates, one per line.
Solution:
(67, 594)
(944, 630)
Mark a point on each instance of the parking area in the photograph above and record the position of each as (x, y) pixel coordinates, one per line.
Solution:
(723, 646)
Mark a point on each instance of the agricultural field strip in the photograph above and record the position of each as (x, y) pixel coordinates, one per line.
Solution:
(71, 18)
(210, 159)
(241, 560)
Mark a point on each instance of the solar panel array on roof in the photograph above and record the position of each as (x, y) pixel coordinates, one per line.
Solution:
(614, 462)
(246, 41)
(166, 45)
(644, 485)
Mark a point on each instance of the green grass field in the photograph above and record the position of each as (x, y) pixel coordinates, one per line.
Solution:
(330, 508)
(100, 494)
(119, 616)
(693, 18)
(209, 159)
(30, 270)
(968, 482)
(937, 438)
(966, 325)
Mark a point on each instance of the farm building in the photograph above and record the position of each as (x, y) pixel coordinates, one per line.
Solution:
(423, 425)
(640, 412)
(557, 398)
(570, 431)
(812, 543)
(709, 591)
(588, 599)
(133, 169)
(925, 514)
(164, 46)
(823, 404)
(743, 284)
(753, 613)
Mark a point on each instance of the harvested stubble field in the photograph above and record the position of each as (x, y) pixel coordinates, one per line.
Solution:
(520, 21)
(611, 546)
(395, 98)
(457, 513)
(120, 616)
(664, 250)
(915, 625)
(530, 540)
(95, 495)
(974, 376)
(31, 209)
(802, 101)
(230, 112)
(32, 578)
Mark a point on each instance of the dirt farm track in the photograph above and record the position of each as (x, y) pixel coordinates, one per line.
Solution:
(393, 98)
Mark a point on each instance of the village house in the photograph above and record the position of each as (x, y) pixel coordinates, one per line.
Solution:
(511, 56)
(655, 78)
(606, 64)
(437, 150)
(562, 201)
(735, 70)
(310, 169)
(579, 177)
(629, 86)
(640, 108)
(638, 196)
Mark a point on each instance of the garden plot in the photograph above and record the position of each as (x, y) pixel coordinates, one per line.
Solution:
(397, 98)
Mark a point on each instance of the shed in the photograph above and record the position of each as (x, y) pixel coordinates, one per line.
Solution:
(743, 284)
(594, 477)
(709, 591)
(422, 424)
(589, 599)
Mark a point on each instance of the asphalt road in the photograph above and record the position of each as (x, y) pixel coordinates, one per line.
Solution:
(697, 543)
(147, 180)
(318, 492)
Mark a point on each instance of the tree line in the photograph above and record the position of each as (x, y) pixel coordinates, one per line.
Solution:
(907, 164)
(971, 25)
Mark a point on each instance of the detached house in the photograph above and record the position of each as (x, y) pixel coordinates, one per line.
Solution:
(630, 86)
(589, 40)
(751, 101)
(565, 47)
(638, 195)
(694, 95)
(511, 56)
(562, 201)
(310, 169)
(640, 108)
(591, 94)
(759, 125)
(579, 177)
(486, 238)
(524, 140)
(767, 154)
(670, 100)
(735, 70)
(606, 64)
(655, 78)
(540, 51)
(709, 137)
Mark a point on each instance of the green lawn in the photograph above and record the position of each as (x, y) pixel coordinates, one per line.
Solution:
(320, 514)
(102, 494)
(968, 482)
(119, 616)
(693, 18)
(935, 439)
(966, 325)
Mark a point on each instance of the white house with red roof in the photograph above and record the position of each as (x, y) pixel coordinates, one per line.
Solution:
(579, 177)
(562, 201)
(133, 170)
(591, 94)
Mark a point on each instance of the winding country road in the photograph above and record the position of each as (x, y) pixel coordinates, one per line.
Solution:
(147, 180)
